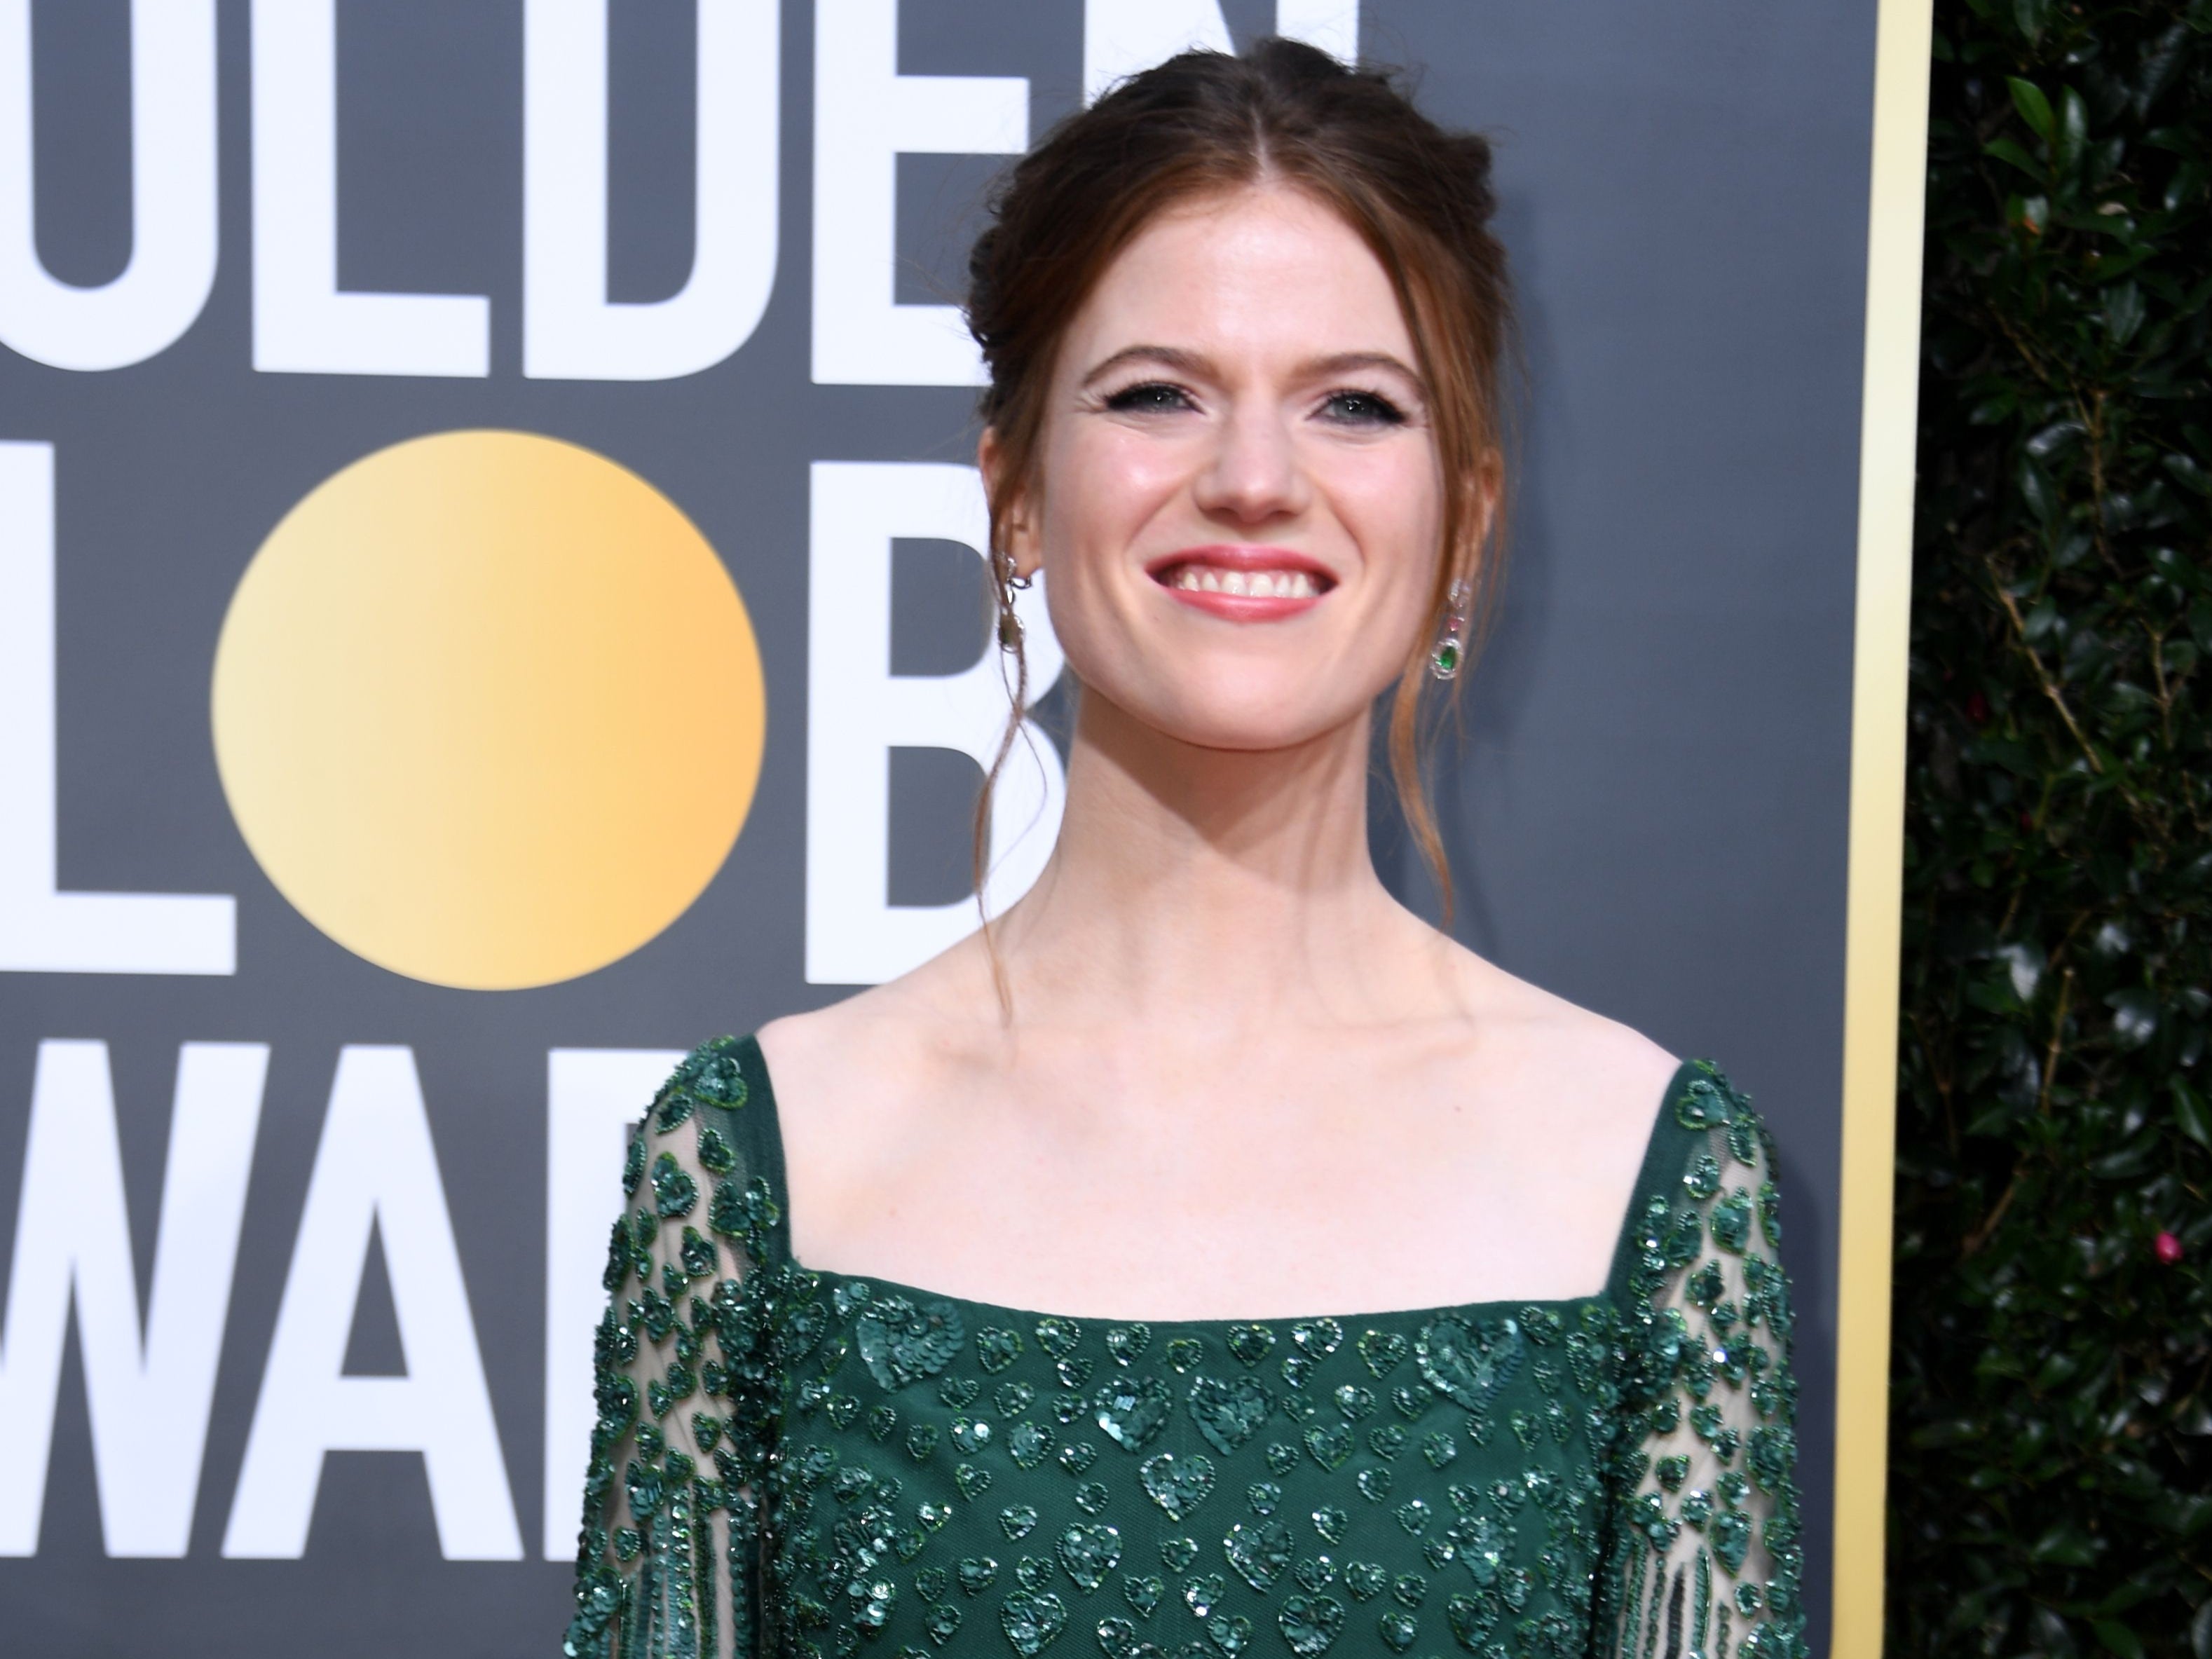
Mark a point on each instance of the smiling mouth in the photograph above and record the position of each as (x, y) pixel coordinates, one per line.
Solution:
(1197, 577)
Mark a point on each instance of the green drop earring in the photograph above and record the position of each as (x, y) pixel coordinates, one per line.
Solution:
(1444, 661)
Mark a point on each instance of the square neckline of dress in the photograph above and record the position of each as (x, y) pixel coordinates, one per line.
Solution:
(754, 1060)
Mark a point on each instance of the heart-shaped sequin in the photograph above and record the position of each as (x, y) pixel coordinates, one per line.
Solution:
(1309, 1623)
(1264, 1497)
(1380, 1351)
(922, 1441)
(1387, 1442)
(900, 1343)
(1410, 1402)
(1397, 1630)
(1260, 1552)
(1374, 1484)
(1186, 1352)
(1250, 1343)
(1482, 1546)
(1414, 1516)
(1177, 1485)
(996, 1348)
(1078, 1458)
(1330, 1446)
(1117, 1638)
(1296, 1368)
(1316, 1338)
(1439, 1449)
(1315, 1575)
(1027, 1444)
(942, 1622)
(1232, 1635)
(1468, 1364)
(1058, 1337)
(970, 1438)
(972, 1481)
(976, 1574)
(1472, 1620)
(1034, 1571)
(881, 1422)
(1282, 1459)
(1125, 1344)
(1090, 1552)
(1228, 1413)
(1013, 1398)
(930, 1584)
(1067, 1407)
(1074, 1373)
(1133, 1410)
(959, 1392)
(1015, 1519)
(1143, 1593)
(1364, 1580)
(1358, 1404)
(1031, 1619)
(1203, 1594)
(934, 1516)
(1439, 1552)
(1178, 1553)
(1330, 1524)
(1092, 1496)
(1407, 1589)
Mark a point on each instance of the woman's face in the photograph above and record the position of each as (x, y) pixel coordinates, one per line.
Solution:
(1239, 499)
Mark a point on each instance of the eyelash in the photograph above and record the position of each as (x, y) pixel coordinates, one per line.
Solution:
(1143, 397)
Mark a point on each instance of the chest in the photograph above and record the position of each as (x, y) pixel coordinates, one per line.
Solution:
(1217, 1182)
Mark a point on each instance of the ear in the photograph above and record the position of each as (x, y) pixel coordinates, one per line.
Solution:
(1017, 529)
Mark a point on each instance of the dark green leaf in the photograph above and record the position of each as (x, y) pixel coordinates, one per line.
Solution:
(2034, 108)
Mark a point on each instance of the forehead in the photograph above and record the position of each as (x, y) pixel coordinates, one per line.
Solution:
(1268, 269)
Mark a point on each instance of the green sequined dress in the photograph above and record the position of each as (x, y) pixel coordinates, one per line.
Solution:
(795, 1463)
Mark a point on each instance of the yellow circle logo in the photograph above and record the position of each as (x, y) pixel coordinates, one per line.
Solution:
(488, 709)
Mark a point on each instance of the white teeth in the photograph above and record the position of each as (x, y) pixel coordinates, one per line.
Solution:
(1257, 584)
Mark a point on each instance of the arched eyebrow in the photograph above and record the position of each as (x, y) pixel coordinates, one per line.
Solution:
(1195, 364)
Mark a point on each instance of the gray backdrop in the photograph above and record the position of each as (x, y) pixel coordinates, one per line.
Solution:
(1646, 812)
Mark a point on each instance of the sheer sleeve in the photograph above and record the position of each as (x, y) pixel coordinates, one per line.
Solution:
(667, 1562)
(1704, 1557)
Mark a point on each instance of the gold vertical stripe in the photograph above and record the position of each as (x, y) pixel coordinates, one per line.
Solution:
(1887, 415)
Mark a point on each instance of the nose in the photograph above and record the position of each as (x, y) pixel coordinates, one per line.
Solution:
(1254, 475)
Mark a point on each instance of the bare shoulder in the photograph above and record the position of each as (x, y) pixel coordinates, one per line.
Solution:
(1594, 1080)
(904, 1031)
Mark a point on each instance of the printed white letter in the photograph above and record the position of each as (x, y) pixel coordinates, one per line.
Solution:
(172, 198)
(867, 114)
(858, 711)
(570, 329)
(42, 929)
(375, 1169)
(302, 324)
(147, 1401)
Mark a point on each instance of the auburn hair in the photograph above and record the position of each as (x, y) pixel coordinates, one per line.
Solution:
(1207, 123)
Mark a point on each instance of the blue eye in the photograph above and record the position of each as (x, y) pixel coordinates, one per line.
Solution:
(1148, 397)
(1362, 409)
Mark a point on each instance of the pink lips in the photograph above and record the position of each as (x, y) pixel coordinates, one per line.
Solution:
(1245, 560)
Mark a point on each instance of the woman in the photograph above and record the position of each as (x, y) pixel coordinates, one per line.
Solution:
(1387, 1302)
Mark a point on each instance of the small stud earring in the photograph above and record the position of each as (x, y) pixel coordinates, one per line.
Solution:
(1444, 661)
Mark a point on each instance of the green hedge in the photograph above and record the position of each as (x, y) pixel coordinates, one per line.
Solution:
(2051, 1424)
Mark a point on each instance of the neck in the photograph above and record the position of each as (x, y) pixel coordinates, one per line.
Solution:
(1193, 886)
